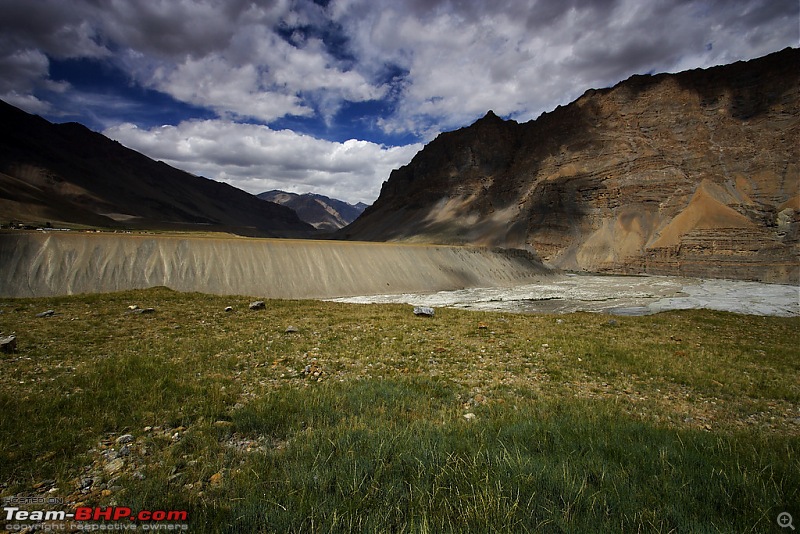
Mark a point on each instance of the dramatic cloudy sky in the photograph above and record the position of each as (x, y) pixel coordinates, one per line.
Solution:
(329, 96)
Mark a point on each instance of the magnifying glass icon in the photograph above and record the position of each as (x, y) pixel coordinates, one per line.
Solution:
(785, 520)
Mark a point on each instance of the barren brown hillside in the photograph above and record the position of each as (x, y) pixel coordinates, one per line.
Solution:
(68, 174)
(693, 173)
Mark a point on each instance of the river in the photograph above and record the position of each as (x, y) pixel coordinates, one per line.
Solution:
(616, 295)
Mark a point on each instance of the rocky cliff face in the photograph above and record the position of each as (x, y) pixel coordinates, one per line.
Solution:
(694, 173)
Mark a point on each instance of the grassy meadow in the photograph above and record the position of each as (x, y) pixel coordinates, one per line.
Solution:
(366, 418)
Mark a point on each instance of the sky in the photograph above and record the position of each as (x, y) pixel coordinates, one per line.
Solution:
(329, 96)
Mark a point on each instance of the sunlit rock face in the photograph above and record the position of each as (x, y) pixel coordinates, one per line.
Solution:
(692, 174)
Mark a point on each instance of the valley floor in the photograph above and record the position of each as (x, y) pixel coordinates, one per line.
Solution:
(311, 416)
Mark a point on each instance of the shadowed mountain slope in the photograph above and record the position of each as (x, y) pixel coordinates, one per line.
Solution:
(694, 173)
(66, 173)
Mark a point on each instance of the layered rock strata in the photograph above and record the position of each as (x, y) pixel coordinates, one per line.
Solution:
(693, 173)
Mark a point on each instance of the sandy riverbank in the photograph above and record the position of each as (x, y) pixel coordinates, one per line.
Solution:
(36, 264)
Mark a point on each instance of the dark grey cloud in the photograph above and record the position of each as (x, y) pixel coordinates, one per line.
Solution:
(175, 28)
(304, 58)
(56, 28)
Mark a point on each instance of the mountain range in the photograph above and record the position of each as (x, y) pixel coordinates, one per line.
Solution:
(695, 173)
(323, 213)
(66, 174)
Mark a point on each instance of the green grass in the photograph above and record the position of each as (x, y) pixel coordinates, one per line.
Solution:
(680, 422)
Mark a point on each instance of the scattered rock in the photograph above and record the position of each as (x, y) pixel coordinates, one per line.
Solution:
(291, 330)
(424, 311)
(45, 484)
(258, 305)
(559, 321)
(8, 344)
(125, 438)
(133, 307)
(48, 313)
(216, 479)
(313, 371)
(143, 310)
(228, 308)
(243, 444)
(114, 466)
(469, 416)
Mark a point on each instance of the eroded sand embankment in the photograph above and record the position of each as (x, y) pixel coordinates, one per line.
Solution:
(48, 264)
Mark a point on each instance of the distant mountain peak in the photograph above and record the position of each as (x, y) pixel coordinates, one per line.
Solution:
(324, 213)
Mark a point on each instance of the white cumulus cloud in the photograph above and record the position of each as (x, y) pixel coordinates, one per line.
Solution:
(256, 158)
